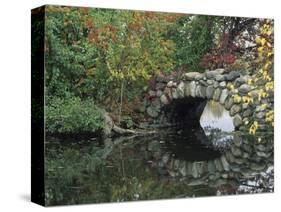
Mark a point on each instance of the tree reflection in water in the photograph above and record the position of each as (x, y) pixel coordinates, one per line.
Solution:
(215, 116)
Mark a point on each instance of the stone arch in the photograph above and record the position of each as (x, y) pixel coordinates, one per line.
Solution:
(192, 92)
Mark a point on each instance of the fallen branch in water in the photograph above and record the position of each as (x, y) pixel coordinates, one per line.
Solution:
(123, 131)
(110, 128)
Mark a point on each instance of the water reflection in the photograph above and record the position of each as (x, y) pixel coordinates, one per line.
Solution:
(215, 116)
(139, 168)
(188, 143)
(176, 162)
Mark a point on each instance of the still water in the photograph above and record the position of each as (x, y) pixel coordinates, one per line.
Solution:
(174, 163)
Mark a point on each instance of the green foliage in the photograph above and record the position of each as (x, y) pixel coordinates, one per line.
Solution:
(140, 50)
(93, 53)
(127, 122)
(71, 115)
(209, 42)
(68, 53)
(193, 37)
(89, 50)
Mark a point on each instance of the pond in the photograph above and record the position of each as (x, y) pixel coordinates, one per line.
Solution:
(177, 162)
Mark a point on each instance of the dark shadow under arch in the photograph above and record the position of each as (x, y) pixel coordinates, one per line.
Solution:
(187, 110)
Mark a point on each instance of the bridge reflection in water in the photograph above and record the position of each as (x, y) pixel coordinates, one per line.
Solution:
(211, 156)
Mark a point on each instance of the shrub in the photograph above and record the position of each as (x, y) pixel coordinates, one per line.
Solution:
(72, 116)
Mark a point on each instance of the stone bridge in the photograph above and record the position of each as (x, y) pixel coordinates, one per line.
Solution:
(182, 101)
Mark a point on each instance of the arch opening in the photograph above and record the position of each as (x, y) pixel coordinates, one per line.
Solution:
(184, 111)
(201, 126)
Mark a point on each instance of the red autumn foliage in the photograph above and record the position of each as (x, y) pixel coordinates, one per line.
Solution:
(222, 55)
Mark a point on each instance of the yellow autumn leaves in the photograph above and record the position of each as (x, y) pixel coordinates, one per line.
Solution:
(253, 128)
(132, 74)
(265, 42)
(266, 28)
(261, 81)
(265, 52)
(269, 116)
(247, 99)
(261, 41)
(230, 86)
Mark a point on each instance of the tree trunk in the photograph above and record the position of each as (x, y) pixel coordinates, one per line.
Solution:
(121, 101)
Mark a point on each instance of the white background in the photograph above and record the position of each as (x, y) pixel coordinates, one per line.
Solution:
(15, 104)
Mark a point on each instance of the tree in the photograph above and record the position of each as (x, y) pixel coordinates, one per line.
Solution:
(139, 50)
(193, 36)
(69, 56)
(210, 42)
(234, 36)
(97, 52)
